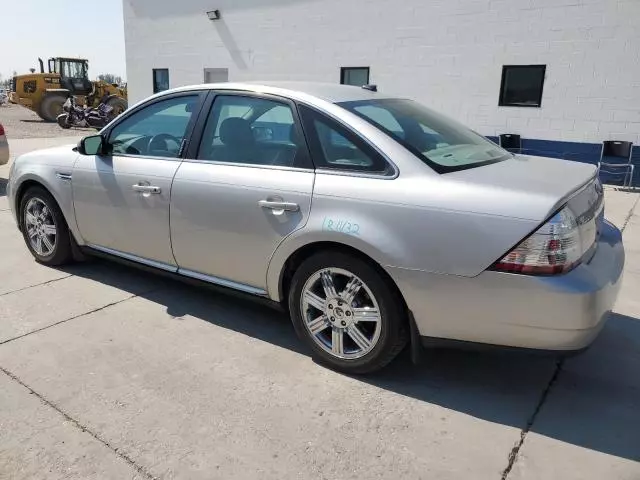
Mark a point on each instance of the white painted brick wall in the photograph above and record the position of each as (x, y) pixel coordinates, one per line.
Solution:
(446, 53)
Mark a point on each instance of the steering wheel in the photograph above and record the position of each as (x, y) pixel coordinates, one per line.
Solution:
(159, 143)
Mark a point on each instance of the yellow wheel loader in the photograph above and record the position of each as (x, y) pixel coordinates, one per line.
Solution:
(45, 93)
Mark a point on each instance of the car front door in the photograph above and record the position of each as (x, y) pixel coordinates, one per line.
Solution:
(246, 187)
(122, 198)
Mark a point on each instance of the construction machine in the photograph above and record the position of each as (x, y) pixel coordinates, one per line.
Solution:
(46, 92)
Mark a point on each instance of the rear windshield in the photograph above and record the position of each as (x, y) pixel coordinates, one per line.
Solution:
(443, 144)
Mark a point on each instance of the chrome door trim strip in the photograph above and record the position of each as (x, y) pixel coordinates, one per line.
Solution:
(135, 258)
(353, 173)
(182, 271)
(248, 165)
(222, 282)
(144, 157)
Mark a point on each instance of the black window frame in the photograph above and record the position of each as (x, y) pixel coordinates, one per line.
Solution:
(153, 79)
(189, 132)
(344, 70)
(505, 69)
(303, 161)
(309, 114)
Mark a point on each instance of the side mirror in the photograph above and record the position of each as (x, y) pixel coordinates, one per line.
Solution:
(91, 145)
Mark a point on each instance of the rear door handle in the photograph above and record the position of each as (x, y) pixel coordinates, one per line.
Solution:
(276, 205)
(146, 188)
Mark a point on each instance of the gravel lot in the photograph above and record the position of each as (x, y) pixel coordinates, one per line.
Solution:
(20, 122)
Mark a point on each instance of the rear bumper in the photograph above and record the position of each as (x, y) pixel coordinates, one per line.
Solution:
(563, 312)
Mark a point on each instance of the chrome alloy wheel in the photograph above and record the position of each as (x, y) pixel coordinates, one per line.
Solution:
(341, 313)
(41, 227)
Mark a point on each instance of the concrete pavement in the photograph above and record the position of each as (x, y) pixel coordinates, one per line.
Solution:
(107, 372)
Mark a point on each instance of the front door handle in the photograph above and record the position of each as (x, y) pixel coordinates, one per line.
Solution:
(146, 188)
(278, 205)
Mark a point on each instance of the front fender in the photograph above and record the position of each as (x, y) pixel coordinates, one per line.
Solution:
(46, 175)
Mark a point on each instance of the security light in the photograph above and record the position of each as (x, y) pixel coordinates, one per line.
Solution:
(214, 15)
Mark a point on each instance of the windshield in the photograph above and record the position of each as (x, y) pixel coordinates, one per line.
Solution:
(440, 142)
(73, 69)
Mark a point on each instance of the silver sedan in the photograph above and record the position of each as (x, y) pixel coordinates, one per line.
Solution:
(373, 220)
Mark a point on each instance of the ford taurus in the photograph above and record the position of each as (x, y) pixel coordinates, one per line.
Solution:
(372, 219)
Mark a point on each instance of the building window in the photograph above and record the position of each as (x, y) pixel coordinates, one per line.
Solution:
(160, 79)
(216, 75)
(357, 76)
(522, 85)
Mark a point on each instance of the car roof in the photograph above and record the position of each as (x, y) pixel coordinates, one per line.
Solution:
(329, 92)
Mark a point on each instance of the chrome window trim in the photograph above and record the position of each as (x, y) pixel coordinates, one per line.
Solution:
(222, 282)
(249, 165)
(347, 173)
(146, 157)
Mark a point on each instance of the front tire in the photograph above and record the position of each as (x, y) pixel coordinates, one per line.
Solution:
(44, 228)
(51, 106)
(118, 104)
(348, 313)
(63, 121)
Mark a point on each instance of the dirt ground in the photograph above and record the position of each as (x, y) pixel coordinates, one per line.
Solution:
(20, 122)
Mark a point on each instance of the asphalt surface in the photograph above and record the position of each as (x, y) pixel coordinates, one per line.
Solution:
(110, 373)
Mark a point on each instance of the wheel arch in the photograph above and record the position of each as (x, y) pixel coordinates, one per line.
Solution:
(29, 182)
(300, 254)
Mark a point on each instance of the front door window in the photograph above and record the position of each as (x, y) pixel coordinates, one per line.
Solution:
(157, 130)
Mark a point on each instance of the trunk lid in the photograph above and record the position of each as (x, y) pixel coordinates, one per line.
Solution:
(533, 187)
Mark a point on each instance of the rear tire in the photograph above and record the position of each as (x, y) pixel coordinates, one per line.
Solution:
(351, 332)
(51, 106)
(118, 104)
(44, 228)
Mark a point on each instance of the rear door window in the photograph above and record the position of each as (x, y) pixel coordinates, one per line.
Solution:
(333, 146)
(253, 130)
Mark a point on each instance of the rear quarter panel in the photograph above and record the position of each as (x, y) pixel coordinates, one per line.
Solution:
(413, 222)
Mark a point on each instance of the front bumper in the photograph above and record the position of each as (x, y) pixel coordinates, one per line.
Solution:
(564, 312)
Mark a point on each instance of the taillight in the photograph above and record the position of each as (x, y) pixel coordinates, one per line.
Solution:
(556, 247)
(1, 130)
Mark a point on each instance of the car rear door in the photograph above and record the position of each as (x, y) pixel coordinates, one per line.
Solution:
(122, 199)
(241, 190)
